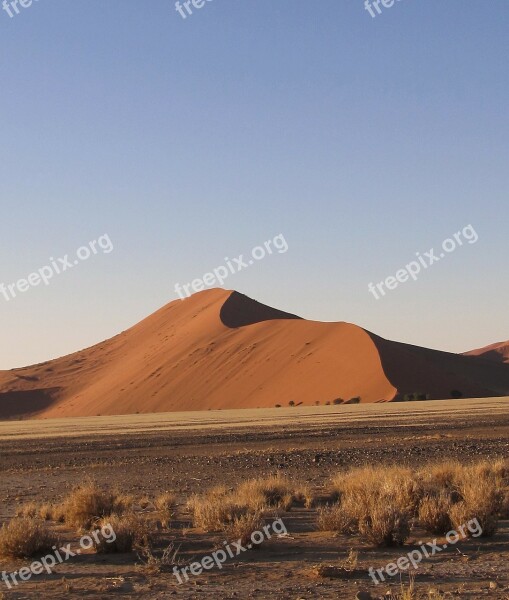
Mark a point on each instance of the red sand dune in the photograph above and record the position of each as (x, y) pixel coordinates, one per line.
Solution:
(497, 352)
(220, 349)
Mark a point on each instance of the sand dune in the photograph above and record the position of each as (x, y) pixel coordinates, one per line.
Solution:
(497, 352)
(221, 350)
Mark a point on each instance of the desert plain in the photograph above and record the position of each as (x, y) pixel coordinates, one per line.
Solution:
(185, 454)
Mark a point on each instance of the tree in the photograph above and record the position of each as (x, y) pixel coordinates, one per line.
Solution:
(354, 400)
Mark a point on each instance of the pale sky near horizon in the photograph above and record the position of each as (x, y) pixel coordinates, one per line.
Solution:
(362, 140)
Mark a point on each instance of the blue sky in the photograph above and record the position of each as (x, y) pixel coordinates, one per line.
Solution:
(362, 140)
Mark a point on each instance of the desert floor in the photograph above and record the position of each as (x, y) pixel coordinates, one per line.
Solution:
(190, 452)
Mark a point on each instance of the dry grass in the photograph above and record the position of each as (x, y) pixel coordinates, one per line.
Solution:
(480, 490)
(457, 494)
(338, 518)
(376, 503)
(305, 496)
(144, 503)
(266, 492)
(130, 532)
(434, 594)
(215, 512)
(346, 568)
(439, 477)
(29, 510)
(405, 593)
(155, 564)
(220, 509)
(88, 503)
(384, 525)
(243, 527)
(396, 484)
(435, 513)
(166, 502)
(381, 503)
(46, 512)
(25, 537)
(504, 508)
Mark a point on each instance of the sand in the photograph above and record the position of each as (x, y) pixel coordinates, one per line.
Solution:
(498, 352)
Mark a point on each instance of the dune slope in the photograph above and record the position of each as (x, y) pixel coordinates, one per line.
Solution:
(496, 352)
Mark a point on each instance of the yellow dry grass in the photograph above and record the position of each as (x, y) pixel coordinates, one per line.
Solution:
(25, 537)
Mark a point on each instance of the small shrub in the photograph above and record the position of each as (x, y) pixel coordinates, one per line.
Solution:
(266, 492)
(355, 400)
(338, 401)
(88, 503)
(46, 512)
(291, 403)
(242, 527)
(385, 525)
(434, 513)
(215, 512)
(25, 537)
(28, 510)
(376, 503)
(130, 532)
(166, 502)
(396, 485)
(338, 518)
(440, 477)
(481, 498)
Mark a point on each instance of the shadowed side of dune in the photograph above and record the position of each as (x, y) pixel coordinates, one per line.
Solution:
(493, 355)
(239, 311)
(413, 369)
(26, 403)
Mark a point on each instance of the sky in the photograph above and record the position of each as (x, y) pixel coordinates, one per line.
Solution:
(361, 140)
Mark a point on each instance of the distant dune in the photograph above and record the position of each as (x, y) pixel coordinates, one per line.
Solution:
(219, 349)
(497, 352)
